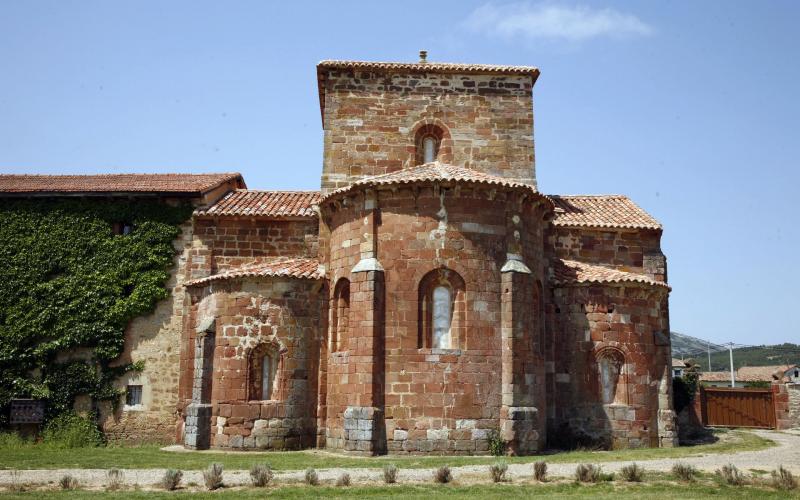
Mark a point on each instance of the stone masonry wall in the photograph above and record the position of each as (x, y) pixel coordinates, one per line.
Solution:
(782, 401)
(435, 400)
(794, 405)
(626, 319)
(155, 339)
(371, 120)
(224, 243)
(281, 312)
(630, 250)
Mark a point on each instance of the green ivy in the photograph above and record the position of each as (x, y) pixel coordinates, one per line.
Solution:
(69, 285)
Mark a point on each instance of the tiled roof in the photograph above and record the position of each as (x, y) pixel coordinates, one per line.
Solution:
(748, 374)
(761, 373)
(278, 268)
(115, 183)
(432, 172)
(264, 204)
(678, 363)
(715, 377)
(430, 67)
(571, 272)
(611, 211)
(417, 67)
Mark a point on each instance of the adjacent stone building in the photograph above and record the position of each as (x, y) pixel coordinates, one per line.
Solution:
(427, 299)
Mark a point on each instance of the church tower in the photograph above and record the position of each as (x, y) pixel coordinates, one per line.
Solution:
(380, 118)
(431, 232)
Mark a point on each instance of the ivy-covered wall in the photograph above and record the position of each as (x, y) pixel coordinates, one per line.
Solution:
(68, 288)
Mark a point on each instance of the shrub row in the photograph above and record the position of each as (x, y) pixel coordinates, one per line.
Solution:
(261, 475)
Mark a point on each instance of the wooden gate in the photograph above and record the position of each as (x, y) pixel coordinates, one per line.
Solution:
(738, 407)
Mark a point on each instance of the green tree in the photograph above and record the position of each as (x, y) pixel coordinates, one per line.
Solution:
(684, 388)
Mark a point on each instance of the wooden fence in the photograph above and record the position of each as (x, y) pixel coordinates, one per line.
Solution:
(738, 407)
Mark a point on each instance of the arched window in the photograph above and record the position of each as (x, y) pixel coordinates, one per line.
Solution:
(428, 149)
(264, 365)
(441, 310)
(340, 320)
(442, 317)
(610, 364)
(428, 143)
(269, 368)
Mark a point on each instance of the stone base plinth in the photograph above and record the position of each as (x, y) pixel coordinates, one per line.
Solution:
(197, 429)
(362, 425)
(519, 428)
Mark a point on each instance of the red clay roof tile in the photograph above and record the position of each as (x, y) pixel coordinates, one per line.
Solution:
(244, 202)
(761, 373)
(432, 172)
(280, 267)
(430, 67)
(603, 211)
(115, 183)
(571, 272)
(715, 377)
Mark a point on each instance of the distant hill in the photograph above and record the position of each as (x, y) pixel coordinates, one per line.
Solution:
(686, 346)
(781, 354)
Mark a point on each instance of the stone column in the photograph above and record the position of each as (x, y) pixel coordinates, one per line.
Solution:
(519, 416)
(197, 428)
(363, 421)
(666, 420)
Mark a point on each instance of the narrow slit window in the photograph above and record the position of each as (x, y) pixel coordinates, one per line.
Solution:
(429, 149)
(442, 315)
(268, 369)
(133, 395)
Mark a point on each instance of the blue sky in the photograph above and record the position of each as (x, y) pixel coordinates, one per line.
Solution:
(690, 108)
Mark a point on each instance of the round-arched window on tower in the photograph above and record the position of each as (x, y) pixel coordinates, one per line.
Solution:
(429, 149)
(428, 143)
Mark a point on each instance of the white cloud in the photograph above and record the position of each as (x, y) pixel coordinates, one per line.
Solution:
(550, 21)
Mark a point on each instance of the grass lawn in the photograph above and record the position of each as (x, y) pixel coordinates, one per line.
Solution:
(658, 490)
(28, 456)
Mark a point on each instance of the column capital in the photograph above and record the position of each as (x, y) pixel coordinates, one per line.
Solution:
(514, 264)
(367, 264)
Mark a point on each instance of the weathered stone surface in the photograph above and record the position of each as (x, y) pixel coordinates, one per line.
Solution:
(357, 369)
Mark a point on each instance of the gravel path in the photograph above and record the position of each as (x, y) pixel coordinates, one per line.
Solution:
(786, 453)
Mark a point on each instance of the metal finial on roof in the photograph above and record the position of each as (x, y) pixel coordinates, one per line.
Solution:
(423, 56)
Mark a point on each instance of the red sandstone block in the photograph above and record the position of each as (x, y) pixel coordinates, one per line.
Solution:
(240, 411)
